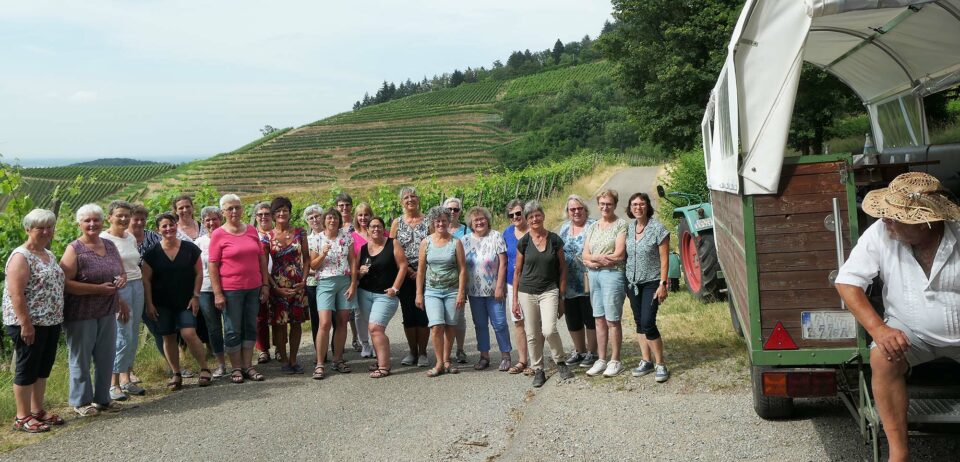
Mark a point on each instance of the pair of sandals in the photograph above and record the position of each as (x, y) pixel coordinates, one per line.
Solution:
(176, 382)
(520, 368)
(37, 422)
(238, 375)
(447, 368)
(377, 372)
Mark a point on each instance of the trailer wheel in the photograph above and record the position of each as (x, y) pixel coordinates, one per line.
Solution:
(768, 407)
(734, 317)
(698, 257)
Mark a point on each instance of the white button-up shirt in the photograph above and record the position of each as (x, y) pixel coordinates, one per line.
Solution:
(929, 306)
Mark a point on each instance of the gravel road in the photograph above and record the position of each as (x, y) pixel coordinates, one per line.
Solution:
(486, 415)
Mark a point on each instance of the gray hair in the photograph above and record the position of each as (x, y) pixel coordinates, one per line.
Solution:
(579, 200)
(407, 190)
(453, 199)
(260, 206)
(437, 212)
(343, 197)
(532, 207)
(312, 209)
(227, 198)
(481, 211)
(38, 218)
(210, 210)
(87, 210)
(118, 204)
(514, 203)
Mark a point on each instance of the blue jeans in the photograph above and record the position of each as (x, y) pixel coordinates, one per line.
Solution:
(240, 319)
(490, 309)
(607, 292)
(214, 320)
(91, 339)
(128, 333)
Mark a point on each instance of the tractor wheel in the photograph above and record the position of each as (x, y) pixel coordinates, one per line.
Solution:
(768, 407)
(735, 317)
(698, 257)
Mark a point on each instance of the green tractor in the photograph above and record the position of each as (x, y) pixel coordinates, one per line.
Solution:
(697, 249)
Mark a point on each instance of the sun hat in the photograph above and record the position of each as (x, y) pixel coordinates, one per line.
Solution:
(912, 198)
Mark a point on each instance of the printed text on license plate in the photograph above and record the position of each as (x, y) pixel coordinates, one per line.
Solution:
(828, 325)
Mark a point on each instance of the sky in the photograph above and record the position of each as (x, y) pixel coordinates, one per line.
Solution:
(178, 80)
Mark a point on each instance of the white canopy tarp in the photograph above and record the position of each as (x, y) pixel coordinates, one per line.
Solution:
(890, 52)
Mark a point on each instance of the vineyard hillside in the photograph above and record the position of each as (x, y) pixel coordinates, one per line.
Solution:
(448, 134)
(80, 184)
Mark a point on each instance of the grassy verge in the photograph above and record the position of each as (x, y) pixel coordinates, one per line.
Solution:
(150, 366)
(701, 350)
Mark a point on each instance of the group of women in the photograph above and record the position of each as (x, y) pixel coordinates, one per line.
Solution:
(228, 284)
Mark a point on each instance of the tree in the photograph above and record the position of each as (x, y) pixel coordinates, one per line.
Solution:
(267, 129)
(456, 78)
(821, 98)
(557, 52)
(668, 55)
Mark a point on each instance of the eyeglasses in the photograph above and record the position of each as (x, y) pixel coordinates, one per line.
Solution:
(344, 205)
(234, 208)
(515, 214)
(263, 215)
(313, 217)
(575, 209)
(606, 205)
(453, 210)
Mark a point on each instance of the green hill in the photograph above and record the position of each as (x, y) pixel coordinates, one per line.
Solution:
(94, 183)
(442, 135)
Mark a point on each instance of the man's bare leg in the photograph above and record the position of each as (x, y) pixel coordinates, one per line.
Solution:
(890, 393)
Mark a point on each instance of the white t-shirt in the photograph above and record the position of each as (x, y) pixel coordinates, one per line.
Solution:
(928, 306)
(129, 254)
(203, 242)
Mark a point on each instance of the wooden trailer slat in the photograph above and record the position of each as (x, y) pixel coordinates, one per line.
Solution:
(794, 223)
(811, 184)
(798, 261)
(804, 203)
(783, 280)
(800, 242)
(803, 299)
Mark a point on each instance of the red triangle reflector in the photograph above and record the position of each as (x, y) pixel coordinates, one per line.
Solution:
(780, 339)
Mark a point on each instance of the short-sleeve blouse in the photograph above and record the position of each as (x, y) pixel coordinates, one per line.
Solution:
(203, 243)
(573, 253)
(643, 254)
(239, 258)
(44, 291)
(483, 262)
(336, 262)
(173, 281)
(603, 241)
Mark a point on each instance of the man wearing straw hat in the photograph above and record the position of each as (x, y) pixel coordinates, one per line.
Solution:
(914, 250)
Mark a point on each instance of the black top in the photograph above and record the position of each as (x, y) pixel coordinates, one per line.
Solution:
(541, 270)
(172, 283)
(383, 268)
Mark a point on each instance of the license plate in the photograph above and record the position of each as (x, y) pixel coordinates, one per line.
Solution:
(703, 223)
(828, 325)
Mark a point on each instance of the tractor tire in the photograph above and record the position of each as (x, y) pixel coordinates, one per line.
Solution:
(698, 257)
(768, 407)
(735, 317)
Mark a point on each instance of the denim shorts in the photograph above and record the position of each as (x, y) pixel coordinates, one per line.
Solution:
(332, 294)
(607, 292)
(170, 321)
(381, 307)
(441, 306)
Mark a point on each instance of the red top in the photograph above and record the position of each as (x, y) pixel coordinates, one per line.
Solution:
(239, 258)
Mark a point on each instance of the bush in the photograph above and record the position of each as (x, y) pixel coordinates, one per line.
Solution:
(686, 174)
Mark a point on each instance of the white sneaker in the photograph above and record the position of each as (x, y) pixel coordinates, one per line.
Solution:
(423, 361)
(366, 351)
(598, 367)
(613, 368)
(408, 360)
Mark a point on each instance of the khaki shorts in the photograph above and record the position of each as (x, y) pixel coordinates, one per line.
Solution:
(921, 352)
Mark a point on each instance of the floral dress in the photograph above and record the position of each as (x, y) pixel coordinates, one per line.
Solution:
(287, 271)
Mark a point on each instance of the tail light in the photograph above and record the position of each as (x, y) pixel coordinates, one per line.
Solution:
(799, 383)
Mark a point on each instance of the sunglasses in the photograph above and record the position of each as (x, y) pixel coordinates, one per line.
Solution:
(575, 209)
(453, 210)
(515, 214)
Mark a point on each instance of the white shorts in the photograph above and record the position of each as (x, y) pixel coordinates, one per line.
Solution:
(921, 352)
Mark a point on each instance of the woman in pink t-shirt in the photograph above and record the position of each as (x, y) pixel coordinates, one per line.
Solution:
(235, 249)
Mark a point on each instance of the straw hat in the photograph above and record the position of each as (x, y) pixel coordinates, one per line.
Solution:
(911, 198)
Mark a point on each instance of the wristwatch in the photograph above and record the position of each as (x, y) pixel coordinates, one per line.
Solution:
(664, 283)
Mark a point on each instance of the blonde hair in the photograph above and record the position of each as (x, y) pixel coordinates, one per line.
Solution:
(611, 193)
